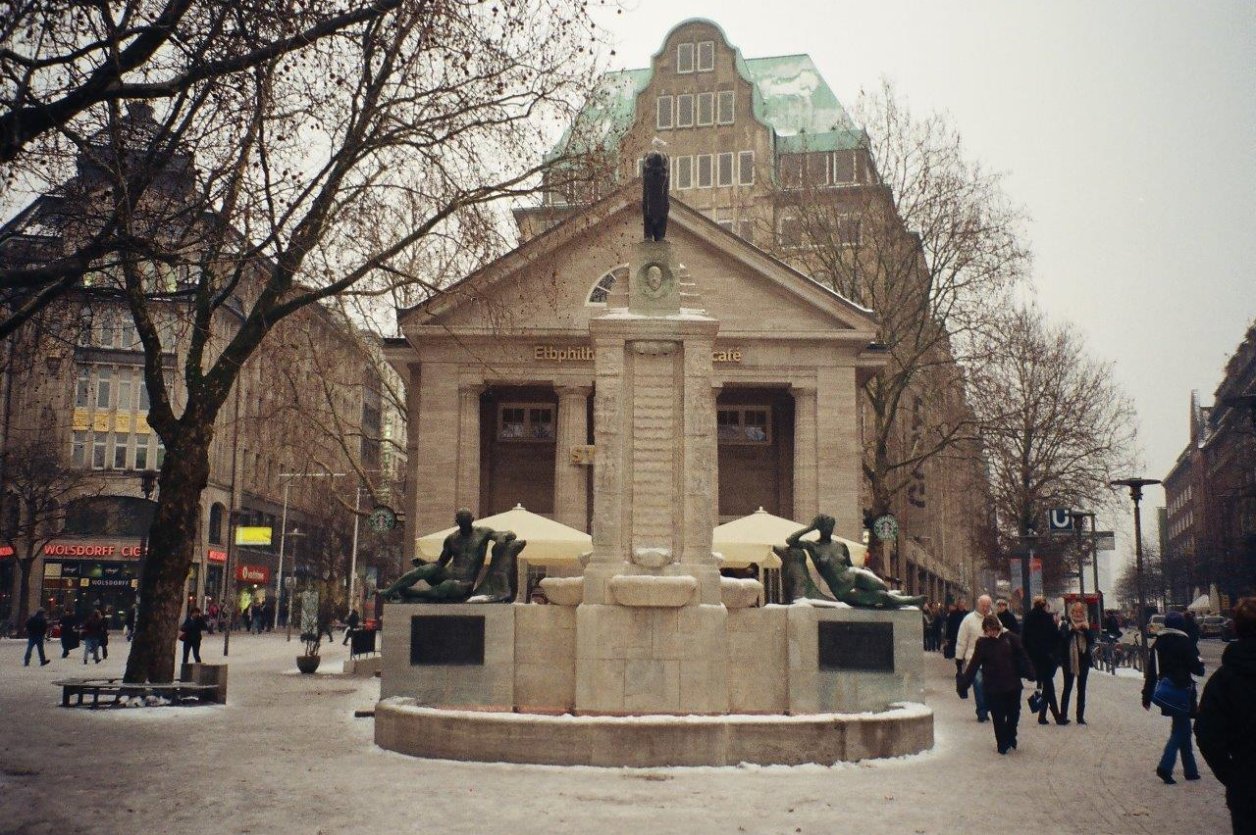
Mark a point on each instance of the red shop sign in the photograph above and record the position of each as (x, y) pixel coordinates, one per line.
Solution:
(253, 573)
(6, 551)
(216, 555)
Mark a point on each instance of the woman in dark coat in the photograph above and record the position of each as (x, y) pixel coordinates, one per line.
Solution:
(1002, 660)
(190, 633)
(1042, 642)
(1173, 656)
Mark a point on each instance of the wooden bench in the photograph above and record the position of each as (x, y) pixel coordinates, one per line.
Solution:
(118, 690)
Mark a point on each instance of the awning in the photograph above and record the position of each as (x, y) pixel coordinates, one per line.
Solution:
(1203, 603)
(750, 539)
(549, 542)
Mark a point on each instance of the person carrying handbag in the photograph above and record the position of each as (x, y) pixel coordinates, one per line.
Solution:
(1167, 683)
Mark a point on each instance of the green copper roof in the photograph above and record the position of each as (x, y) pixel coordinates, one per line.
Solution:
(790, 96)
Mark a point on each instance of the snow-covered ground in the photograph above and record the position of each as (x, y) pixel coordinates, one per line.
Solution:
(285, 755)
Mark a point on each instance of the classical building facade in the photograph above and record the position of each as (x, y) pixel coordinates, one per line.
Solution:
(502, 389)
(764, 149)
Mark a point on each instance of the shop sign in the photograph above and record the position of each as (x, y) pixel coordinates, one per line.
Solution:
(87, 550)
(253, 574)
(216, 555)
(252, 536)
(6, 551)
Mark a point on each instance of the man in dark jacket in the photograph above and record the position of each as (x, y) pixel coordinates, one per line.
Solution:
(1226, 727)
(1006, 617)
(1175, 658)
(36, 629)
(1042, 642)
(953, 620)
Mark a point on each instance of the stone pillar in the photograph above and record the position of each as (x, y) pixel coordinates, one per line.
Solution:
(439, 421)
(469, 446)
(413, 388)
(806, 454)
(716, 388)
(571, 493)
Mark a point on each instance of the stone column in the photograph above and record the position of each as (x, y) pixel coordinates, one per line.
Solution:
(469, 446)
(806, 454)
(571, 494)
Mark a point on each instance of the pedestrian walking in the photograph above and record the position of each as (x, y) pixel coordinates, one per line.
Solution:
(1006, 617)
(351, 625)
(104, 633)
(36, 632)
(1042, 643)
(953, 619)
(970, 631)
(69, 632)
(999, 657)
(1167, 682)
(1226, 727)
(91, 636)
(190, 634)
(938, 627)
(1077, 640)
(255, 615)
(130, 622)
(1192, 628)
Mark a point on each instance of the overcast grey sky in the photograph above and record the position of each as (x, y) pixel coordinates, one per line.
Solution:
(1127, 130)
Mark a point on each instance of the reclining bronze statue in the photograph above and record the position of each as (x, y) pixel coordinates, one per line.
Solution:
(849, 584)
(451, 578)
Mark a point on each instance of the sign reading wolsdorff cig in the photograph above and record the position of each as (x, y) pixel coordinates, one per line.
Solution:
(442, 640)
(846, 645)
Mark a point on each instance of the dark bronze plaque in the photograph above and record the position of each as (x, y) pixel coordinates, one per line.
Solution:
(446, 639)
(857, 646)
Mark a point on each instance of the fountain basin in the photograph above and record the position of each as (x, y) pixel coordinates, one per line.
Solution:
(651, 590)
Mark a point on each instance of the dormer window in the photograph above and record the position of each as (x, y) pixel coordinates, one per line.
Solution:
(684, 58)
(706, 56)
(602, 289)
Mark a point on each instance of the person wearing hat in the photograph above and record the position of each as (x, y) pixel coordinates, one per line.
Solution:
(1170, 664)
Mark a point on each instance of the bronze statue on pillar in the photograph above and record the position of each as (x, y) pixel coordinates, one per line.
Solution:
(655, 182)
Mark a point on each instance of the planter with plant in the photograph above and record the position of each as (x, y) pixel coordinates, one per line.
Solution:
(307, 662)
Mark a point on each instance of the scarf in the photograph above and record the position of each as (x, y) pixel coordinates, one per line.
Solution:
(1076, 643)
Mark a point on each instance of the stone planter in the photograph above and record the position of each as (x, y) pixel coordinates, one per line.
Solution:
(308, 663)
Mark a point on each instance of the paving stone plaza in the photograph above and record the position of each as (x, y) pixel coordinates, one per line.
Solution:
(286, 754)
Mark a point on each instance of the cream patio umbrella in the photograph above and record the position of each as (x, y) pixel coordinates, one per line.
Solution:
(750, 540)
(549, 542)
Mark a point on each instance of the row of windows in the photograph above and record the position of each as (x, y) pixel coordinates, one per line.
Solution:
(822, 169)
(116, 450)
(706, 170)
(685, 54)
(790, 231)
(522, 422)
(688, 110)
(109, 388)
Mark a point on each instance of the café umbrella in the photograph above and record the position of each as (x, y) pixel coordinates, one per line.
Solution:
(750, 539)
(549, 542)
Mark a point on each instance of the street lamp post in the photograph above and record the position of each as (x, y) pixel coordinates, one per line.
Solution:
(1028, 538)
(1079, 527)
(1136, 486)
(148, 484)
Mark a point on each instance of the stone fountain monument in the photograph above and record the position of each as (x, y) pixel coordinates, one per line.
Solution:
(651, 658)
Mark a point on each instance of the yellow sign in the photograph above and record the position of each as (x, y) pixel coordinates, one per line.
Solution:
(100, 422)
(252, 536)
(122, 422)
(81, 420)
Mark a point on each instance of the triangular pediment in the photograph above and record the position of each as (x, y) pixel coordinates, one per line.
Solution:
(544, 285)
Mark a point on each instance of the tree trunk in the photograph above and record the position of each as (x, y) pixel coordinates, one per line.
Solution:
(23, 593)
(171, 543)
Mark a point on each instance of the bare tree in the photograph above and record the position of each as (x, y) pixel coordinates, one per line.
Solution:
(330, 169)
(1055, 427)
(64, 66)
(925, 238)
(39, 488)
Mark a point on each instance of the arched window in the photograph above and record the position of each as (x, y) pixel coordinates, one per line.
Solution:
(603, 287)
(216, 512)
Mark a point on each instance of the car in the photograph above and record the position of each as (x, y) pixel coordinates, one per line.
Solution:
(1212, 626)
(1155, 624)
(1227, 630)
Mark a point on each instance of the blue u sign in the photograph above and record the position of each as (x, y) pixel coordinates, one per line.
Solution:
(1060, 519)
